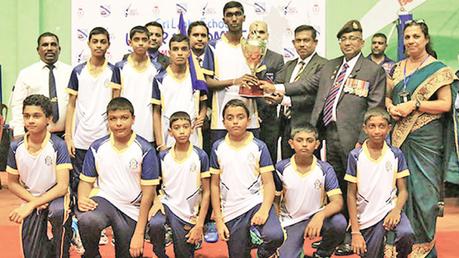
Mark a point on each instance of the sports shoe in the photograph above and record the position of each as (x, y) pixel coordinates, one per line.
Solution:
(103, 238)
(211, 234)
(168, 236)
(76, 240)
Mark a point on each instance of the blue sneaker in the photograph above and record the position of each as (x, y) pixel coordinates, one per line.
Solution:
(211, 234)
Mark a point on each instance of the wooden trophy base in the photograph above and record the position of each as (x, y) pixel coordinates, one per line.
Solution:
(253, 91)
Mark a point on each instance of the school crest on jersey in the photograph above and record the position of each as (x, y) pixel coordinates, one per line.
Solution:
(193, 168)
(48, 160)
(133, 164)
(317, 184)
(388, 166)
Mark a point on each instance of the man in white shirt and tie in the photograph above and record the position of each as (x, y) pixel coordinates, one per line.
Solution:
(48, 77)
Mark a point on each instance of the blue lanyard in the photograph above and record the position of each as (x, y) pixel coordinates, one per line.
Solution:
(407, 79)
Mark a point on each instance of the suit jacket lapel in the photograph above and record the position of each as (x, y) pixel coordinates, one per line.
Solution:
(332, 75)
(290, 69)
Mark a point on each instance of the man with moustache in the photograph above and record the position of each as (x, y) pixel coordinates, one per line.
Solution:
(378, 47)
(49, 77)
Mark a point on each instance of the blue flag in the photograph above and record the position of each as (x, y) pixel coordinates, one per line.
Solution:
(198, 82)
(403, 17)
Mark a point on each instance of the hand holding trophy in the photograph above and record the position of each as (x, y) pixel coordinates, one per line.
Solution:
(254, 51)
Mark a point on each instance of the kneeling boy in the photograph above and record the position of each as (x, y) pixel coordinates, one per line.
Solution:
(126, 169)
(185, 191)
(304, 183)
(376, 173)
(38, 173)
(242, 186)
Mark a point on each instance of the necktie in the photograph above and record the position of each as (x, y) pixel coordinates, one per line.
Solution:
(301, 64)
(199, 59)
(53, 93)
(329, 102)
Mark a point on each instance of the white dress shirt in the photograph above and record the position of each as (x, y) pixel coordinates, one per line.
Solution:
(286, 100)
(34, 79)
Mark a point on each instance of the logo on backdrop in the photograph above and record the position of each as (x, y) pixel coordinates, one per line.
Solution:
(181, 7)
(130, 11)
(206, 10)
(155, 10)
(105, 10)
(260, 7)
(82, 34)
(80, 11)
(289, 9)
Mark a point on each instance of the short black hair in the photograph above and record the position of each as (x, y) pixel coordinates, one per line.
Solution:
(308, 128)
(235, 103)
(232, 4)
(380, 35)
(376, 111)
(39, 101)
(47, 34)
(305, 27)
(179, 115)
(120, 103)
(138, 29)
(179, 38)
(195, 24)
(155, 24)
(97, 31)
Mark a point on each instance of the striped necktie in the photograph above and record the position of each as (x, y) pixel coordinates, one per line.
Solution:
(302, 66)
(330, 101)
(286, 110)
(53, 93)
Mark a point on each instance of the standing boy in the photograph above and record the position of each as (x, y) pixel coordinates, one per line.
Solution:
(242, 186)
(377, 191)
(126, 169)
(137, 74)
(38, 173)
(304, 183)
(92, 84)
(174, 89)
(185, 192)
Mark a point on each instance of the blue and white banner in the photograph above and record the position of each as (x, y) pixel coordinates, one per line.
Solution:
(118, 17)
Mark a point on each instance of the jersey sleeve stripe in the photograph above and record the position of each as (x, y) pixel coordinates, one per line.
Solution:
(149, 182)
(71, 91)
(403, 173)
(207, 72)
(215, 171)
(334, 192)
(64, 166)
(156, 102)
(269, 168)
(350, 178)
(205, 174)
(87, 178)
(114, 85)
(12, 170)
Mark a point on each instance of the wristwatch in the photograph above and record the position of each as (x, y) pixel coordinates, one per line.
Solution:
(418, 104)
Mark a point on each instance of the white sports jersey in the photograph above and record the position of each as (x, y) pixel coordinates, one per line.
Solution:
(175, 95)
(240, 166)
(137, 87)
(94, 92)
(303, 194)
(376, 182)
(120, 173)
(226, 61)
(181, 181)
(37, 171)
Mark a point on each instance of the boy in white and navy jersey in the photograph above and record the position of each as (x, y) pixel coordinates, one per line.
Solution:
(137, 74)
(242, 186)
(226, 70)
(92, 84)
(175, 89)
(185, 192)
(38, 173)
(377, 191)
(304, 184)
(126, 169)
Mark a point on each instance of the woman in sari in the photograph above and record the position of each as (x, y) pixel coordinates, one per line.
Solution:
(419, 96)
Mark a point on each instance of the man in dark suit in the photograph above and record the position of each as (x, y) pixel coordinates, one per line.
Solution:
(346, 87)
(296, 109)
(156, 40)
(269, 126)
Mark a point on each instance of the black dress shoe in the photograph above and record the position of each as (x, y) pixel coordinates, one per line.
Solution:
(315, 244)
(344, 250)
(315, 255)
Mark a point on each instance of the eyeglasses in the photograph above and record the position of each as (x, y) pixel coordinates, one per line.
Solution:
(411, 22)
(351, 38)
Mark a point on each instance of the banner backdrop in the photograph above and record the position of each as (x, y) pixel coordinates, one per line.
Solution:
(118, 17)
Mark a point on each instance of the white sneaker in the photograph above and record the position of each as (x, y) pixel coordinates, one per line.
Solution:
(103, 238)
